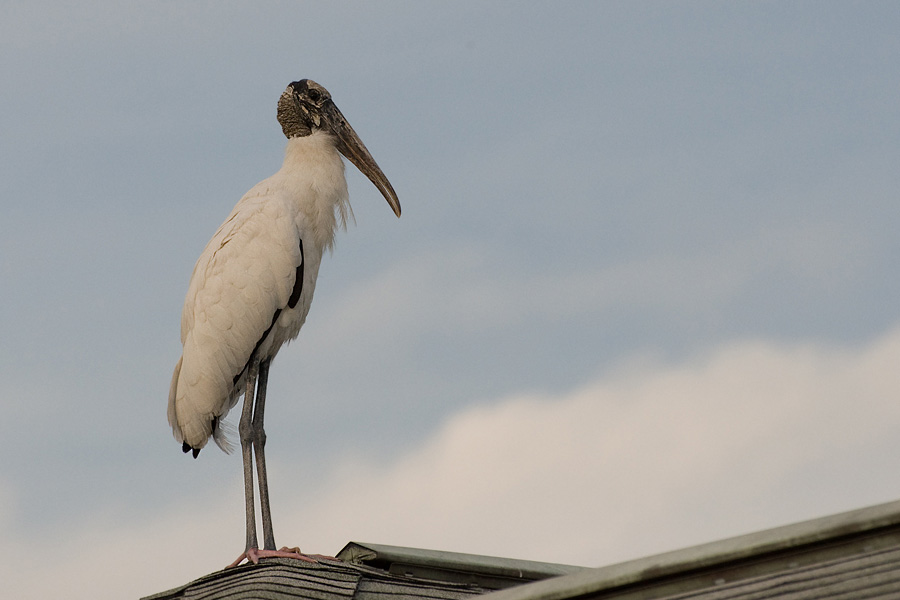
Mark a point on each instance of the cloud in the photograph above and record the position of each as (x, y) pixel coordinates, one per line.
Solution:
(648, 457)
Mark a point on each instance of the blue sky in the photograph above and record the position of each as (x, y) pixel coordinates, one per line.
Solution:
(644, 292)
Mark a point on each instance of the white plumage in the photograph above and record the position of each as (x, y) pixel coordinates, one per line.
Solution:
(245, 274)
(252, 287)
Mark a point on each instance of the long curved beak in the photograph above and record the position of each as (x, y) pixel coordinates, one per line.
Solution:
(349, 144)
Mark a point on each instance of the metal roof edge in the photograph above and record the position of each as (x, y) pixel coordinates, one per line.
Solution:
(721, 553)
(437, 564)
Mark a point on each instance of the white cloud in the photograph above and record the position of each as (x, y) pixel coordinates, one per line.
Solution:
(644, 459)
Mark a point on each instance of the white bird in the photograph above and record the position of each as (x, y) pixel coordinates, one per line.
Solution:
(253, 284)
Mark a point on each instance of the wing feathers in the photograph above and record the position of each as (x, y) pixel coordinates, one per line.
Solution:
(249, 272)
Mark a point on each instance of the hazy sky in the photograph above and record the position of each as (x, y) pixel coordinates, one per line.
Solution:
(644, 292)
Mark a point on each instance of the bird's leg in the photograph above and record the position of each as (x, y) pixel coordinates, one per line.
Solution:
(245, 429)
(259, 447)
(253, 438)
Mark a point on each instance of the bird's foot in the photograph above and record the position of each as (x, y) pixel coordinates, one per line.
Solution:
(254, 554)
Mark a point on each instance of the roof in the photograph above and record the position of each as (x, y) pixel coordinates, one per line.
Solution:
(369, 572)
(284, 578)
(850, 555)
(487, 572)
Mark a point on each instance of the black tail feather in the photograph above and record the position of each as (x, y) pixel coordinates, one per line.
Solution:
(186, 448)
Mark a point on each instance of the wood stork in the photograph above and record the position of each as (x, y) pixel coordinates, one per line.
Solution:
(253, 284)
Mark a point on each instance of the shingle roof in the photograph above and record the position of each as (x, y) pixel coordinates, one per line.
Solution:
(369, 572)
(283, 579)
(848, 556)
(851, 555)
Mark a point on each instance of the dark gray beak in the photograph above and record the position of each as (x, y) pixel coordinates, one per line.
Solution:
(349, 144)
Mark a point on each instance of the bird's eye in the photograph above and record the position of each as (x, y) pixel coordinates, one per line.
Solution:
(314, 95)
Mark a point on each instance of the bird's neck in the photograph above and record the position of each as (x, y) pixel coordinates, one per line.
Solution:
(313, 174)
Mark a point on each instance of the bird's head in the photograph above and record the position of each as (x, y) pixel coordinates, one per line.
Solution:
(305, 106)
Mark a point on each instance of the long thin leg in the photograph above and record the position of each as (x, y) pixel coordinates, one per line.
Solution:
(245, 429)
(253, 440)
(259, 447)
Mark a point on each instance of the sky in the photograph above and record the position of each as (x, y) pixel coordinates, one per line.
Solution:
(643, 294)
